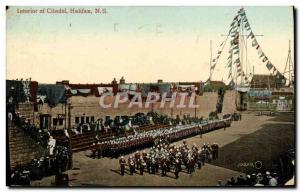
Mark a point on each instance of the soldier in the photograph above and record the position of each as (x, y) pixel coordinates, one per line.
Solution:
(203, 157)
(142, 165)
(153, 165)
(177, 168)
(122, 163)
(148, 163)
(131, 164)
(217, 150)
(99, 150)
(137, 159)
(93, 149)
(163, 168)
(198, 159)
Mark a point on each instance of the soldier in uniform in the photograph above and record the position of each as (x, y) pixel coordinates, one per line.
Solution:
(153, 165)
(217, 150)
(163, 167)
(99, 150)
(142, 165)
(122, 163)
(137, 156)
(198, 159)
(177, 168)
(131, 164)
(93, 149)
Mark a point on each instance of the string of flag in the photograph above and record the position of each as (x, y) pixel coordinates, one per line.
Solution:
(234, 50)
(260, 52)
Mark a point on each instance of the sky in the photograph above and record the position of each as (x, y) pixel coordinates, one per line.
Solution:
(143, 44)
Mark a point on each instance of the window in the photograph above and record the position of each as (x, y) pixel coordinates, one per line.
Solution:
(76, 120)
(60, 121)
(87, 119)
(92, 118)
(55, 121)
(82, 120)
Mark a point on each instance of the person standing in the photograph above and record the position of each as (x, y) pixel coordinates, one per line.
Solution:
(122, 163)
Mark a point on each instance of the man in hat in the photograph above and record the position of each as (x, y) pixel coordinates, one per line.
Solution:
(177, 168)
(142, 165)
(131, 164)
(122, 163)
(93, 149)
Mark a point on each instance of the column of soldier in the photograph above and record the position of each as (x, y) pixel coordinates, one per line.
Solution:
(166, 158)
(125, 145)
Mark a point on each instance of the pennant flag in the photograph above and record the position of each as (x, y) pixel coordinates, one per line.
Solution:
(219, 52)
(218, 56)
(229, 75)
(236, 52)
(232, 24)
(254, 43)
(213, 60)
(229, 64)
(269, 65)
(247, 24)
(238, 65)
(250, 35)
(274, 70)
(265, 59)
(235, 47)
(237, 60)
(261, 55)
(213, 66)
(235, 41)
(257, 47)
(230, 56)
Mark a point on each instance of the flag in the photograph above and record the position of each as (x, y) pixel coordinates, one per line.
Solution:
(213, 60)
(250, 34)
(254, 43)
(229, 63)
(232, 24)
(236, 52)
(238, 65)
(261, 55)
(265, 59)
(229, 75)
(235, 47)
(213, 66)
(269, 65)
(218, 56)
(219, 52)
(257, 47)
(247, 24)
(237, 60)
(235, 41)
(274, 70)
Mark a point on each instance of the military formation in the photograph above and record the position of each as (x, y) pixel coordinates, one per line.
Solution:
(125, 145)
(164, 158)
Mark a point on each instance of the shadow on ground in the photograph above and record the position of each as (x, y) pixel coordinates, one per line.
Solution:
(258, 151)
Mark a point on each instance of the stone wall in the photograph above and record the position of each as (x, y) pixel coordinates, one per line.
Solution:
(22, 149)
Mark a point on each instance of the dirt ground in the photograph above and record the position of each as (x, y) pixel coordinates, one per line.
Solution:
(105, 171)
